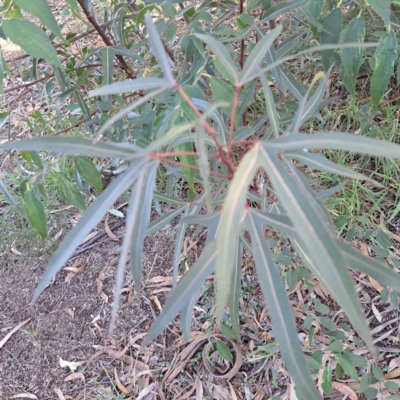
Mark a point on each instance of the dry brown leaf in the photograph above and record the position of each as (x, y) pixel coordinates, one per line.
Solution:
(345, 390)
(59, 393)
(158, 304)
(376, 285)
(100, 284)
(15, 251)
(75, 375)
(9, 334)
(377, 314)
(70, 312)
(189, 393)
(232, 390)
(138, 365)
(88, 237)
(110, 234)
(395, 237)
(394, 363)
(120, 386)
(24, 396)
(393, 374)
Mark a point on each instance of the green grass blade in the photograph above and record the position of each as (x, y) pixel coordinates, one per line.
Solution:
(232, 213)
(140, 207)
(73, 146)
(88, 221)
(336, 141)
(190, 283)
(320, 242)
(281, 312)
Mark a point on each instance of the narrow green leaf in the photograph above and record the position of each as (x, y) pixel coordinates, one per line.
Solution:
(222, 92)
(87, 222)
(69, 192)
(323, 164)
(107, 69)
(232, 213)
(234, 293)
(187, 314)
(135, 232)
(223, 351)
(31, 38)
(327, 380)
(159, 223)
(131, 86)
(74, 5)
(337, 141)
(125, 52)
(280, 311)
(310, 219)
(36, 159)
(204, 165)
(281, 8)
(330, 35)
(382, 8)
(187, 171)
(258, 53)
(89, 172)
(158, 48)
(347, 366)
(352, 59)
(35, 213)
(140, 207)
(271, 108)
(227, 331)
(41, 10)
(223, 56)
(73, 146)
(9, 196)
(1, 72)
(385, 56)
(190, 283)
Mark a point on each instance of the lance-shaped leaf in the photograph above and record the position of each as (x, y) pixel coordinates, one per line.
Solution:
(321, 163)
(223, 56)
(31, 38)
(336, 141)
(140, 207)
(352, 59)
(385, 56)
(136, 221)
(10, 197)
(73, 146)
(159, 223)
(383, 274)
(258, 53)
(204, 165)
(89, 220)
(107, 69)
(281, 8)
(321, 248)
(158, 48)
(35, 213)
(234, 293)
(382, 8)
(186, 315)
(330, 35)
(41, 9)
(232, 214)
(89, 172)
(280, 311)
(190, 283)
(271, 108)
(131, 85)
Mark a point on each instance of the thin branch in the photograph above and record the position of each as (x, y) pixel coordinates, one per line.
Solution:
(210, 130)
(24, 85)
(105, 39)
(233, 115)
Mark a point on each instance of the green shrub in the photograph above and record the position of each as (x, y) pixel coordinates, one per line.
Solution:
(189, 123)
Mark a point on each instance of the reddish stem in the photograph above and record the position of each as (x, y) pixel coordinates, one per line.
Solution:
(233, 115)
